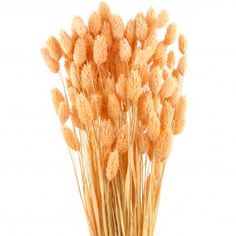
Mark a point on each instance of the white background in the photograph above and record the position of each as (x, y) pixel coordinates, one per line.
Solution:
(37, 188)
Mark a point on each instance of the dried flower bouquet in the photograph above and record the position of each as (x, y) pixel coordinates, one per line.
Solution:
(119, 108)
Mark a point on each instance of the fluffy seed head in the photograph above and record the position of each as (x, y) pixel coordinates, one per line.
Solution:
(151, 18)
(79, 26)
(79, 55)
(113, 107)
(163, 145)
(182, 65)
(100, 52)
(65, 42)
(72, 92)
(75, 117)
(95, 23)
(179, 116)
(151, 41)
(53, 65)
(57, 98)
(171, 60)
(112, 165)
(142, 57)
(70, 138)
(122, 139)
(176, 74)
(142, 140)
(171, 34)
(54, 48)
(156, 80)
(107, 134)
(130, 31)
(104, 11)
(166, 115)
(162, 18)
(124, 50)
(106, 32)
(168, 87)
(117, 26)
(84, 109)
(63, 112)
(88, 78)
(153, 126)
(182, 44)
(145, 106)
(141, 28)
(160, 50)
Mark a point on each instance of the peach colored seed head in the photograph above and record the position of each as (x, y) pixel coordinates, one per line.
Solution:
(163, 145)
(160, 50)
(122, 139)
(79, 26)
(63, 112)
(133, 86)
(171, 60)
(166, 115)
(182, 44)
(113, 107)
(84, 109)
(107, 134)
(141, 28)
(145, 106)
(106, 32)
(79, 54)
(104, 11)
(54, 48)
(112, 165)
(70, 138)
(53, 65)
(151, 18)
(97, 105)
(88, 78)
(142, 140)
(168, 87)
(156, 80)
(130, 31)
(100, 52)
(95, 23)
(153, 126)
(179, 116)
(117, 26)
(124, 50)
(171, 34)
(162, 18)
(57, 98)
(75, 117)
(65, 42)
(182, 65)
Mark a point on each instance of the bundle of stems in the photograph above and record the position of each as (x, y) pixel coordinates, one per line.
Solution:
(119, 108)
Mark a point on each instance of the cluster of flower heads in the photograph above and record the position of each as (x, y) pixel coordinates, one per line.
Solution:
(123, 81)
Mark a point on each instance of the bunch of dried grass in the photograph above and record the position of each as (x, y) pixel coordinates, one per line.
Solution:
(120, 107)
